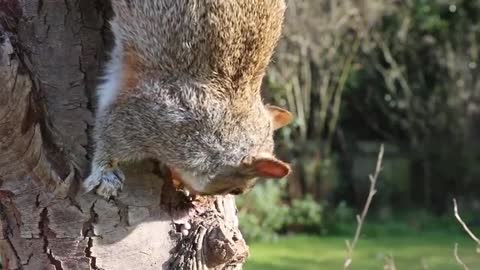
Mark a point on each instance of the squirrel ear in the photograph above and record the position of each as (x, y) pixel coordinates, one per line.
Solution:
(281, 117)
(268, 166)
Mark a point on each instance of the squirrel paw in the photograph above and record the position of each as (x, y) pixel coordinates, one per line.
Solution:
(107, 181)
(185, 229)
(188, 195)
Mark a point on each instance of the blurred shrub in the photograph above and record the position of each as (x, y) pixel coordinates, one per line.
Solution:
(264, 214)
(340, 220)
(305, 215)
(344, 214)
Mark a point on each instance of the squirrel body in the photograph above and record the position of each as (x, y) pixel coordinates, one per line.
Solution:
(183, 87)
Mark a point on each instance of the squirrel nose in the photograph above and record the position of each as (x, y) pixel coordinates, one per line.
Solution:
(174, 174)
(175, 178)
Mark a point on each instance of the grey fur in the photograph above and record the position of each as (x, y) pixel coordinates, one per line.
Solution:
(194, 100)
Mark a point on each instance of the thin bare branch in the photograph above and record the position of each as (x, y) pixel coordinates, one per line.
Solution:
(457, 257)
(465, 227)
(469, 232)
(361, 219)
(390, 263)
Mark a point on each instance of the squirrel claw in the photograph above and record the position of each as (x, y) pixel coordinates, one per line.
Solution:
(191, 197)
(186, 226)
(107, 182)
(185, 229)
(188, 195)
(185, 192)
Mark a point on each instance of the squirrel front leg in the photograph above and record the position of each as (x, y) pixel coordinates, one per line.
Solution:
(123, 132)
(106, 176)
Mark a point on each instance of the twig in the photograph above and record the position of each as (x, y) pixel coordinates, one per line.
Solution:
(390, 263)
(455, 253)
(469, 232)
(465, 227)
(424, 264)
(361, 219)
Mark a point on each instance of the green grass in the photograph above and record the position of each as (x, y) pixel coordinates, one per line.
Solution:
(318, 253)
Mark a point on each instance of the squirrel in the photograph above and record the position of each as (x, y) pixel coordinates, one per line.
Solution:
(183, 87)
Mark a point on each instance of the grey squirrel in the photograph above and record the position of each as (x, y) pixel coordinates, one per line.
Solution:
(183, 87)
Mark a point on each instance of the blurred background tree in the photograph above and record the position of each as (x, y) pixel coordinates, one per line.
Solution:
(358, 73)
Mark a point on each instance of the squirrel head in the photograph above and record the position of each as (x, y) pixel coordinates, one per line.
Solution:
(239, 177)
(214, 144)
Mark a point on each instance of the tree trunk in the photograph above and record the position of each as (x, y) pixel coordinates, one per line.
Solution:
(51, 52)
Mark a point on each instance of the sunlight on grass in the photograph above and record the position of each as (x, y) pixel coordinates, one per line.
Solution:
(317, 253)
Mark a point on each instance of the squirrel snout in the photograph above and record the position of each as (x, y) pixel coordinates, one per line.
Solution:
(199, 186)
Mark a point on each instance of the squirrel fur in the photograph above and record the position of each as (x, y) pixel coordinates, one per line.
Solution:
(183, 87)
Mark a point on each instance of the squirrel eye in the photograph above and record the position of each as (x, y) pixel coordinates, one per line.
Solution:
(246, 160)
(236, 191)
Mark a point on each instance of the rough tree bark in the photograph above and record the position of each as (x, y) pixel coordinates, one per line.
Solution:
(50, 55)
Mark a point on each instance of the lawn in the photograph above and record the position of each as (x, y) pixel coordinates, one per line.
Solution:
(317, 253)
